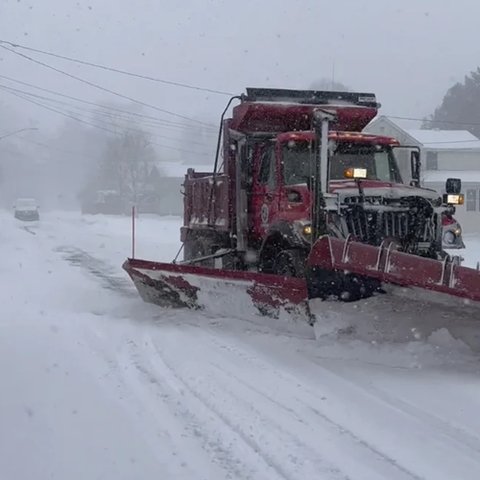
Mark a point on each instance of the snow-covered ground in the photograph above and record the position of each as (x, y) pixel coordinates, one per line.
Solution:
(96, 384)
(471, 253)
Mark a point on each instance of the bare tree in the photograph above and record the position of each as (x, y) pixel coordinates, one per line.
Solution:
(127, 164)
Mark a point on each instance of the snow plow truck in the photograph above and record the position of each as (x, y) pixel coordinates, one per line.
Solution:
(302, 208)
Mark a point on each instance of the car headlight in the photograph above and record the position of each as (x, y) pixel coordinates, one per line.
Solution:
(458, 231)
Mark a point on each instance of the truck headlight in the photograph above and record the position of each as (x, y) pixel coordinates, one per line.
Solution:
(307, 230)
(449, 237)
(303, 229)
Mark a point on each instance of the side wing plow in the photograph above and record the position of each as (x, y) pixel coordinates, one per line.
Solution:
(332, 261)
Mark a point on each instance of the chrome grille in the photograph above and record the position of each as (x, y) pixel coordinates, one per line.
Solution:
(373, 227)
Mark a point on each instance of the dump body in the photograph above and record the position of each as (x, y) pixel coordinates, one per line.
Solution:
(203, 192)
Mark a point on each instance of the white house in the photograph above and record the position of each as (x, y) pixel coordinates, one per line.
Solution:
(444, 154)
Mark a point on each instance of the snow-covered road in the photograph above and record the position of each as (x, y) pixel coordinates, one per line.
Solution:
(96, 384)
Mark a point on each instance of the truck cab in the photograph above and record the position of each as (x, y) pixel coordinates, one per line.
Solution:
(284, 171)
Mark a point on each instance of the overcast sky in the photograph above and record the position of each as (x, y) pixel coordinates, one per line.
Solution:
(407, 52)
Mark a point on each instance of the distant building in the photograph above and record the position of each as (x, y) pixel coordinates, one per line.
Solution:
(444, 154)
(172, 176)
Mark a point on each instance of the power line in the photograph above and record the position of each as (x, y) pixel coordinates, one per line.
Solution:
(125, 72)
(108, 114)
(99, 87)
(161, 121)
(73, 117)
(60, 112)
(451, 122)
(116, 70)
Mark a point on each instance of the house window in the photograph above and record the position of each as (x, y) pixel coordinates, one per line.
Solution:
(432, 161)
(471, 200)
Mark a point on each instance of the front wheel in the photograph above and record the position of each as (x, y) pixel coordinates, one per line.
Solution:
(290, 263)
(198, 247)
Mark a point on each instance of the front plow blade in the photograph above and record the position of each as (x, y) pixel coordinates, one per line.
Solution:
(223, 292)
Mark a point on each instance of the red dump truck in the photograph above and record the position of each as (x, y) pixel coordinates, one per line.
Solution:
(300, 200)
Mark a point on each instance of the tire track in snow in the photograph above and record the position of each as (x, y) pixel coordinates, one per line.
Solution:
(159, 363)
(161, 417)
(29, 230)
(343, 438)
(458, 435)
(214, 442)
(344, 386)
(98, 268)
(337, 428)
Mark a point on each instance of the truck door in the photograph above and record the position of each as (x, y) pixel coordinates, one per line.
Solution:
(265, 195)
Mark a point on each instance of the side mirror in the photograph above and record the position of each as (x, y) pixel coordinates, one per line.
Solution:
(453, 186)
(415, 166)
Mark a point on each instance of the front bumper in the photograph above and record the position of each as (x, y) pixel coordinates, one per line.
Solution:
(27, 216)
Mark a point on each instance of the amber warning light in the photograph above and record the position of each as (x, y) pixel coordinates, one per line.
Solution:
(355, 173)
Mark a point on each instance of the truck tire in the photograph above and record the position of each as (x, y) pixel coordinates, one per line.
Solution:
(290, 263)
(198, 247)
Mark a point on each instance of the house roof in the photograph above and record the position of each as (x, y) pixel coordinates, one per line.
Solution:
(445, 139)
(430, 139)
(178, 170)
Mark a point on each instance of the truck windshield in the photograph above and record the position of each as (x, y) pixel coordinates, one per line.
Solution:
(380, 163)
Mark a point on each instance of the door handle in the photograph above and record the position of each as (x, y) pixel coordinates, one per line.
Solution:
(269, 196)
